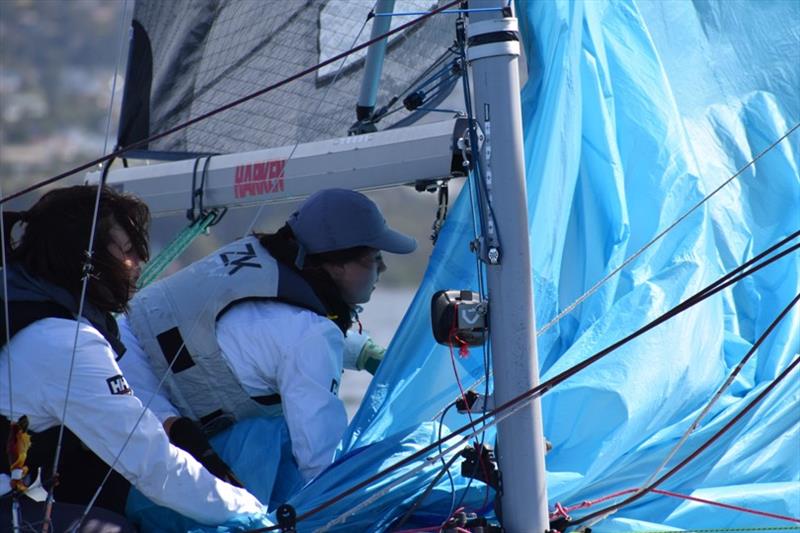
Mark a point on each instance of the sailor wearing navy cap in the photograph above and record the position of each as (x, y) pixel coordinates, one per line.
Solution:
(262, 327)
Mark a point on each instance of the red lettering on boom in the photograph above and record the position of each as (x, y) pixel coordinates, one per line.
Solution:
(258, 179)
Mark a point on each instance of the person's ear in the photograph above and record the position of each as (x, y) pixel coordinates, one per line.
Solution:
(336, 271)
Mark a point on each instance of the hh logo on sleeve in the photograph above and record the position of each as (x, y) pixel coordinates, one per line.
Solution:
(334, 387)
(118, 385)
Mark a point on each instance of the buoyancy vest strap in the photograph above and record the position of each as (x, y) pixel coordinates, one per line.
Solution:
(23, 314)
(269, 399)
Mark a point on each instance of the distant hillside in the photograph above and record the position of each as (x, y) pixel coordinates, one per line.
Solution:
(57, 61)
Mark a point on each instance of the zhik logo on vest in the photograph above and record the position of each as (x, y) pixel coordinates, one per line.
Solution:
(118, 385)
(239, 259)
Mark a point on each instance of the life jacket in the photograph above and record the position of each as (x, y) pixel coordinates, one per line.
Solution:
(175, 321)
(80, 470)
(31, 299)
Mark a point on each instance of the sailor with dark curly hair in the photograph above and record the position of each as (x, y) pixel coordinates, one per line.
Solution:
(60, 346)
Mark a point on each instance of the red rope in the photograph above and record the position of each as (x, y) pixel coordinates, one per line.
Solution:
(463, 352)
(561, 511)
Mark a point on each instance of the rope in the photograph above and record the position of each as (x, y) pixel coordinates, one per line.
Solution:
(641, 250)
(774, 383)
(229, 105)
(627, 261)
(175, 248)
(563, 511)
(721, 530)
(722, 389)
(511, 406)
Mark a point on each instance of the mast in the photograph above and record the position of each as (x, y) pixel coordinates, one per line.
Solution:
(493, 51)
(374, 62)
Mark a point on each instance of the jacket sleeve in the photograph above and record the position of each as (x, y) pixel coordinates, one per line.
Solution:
(136, 367)
(104, 414)
(308, 380)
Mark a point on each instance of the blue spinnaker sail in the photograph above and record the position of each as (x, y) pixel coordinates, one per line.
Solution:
(633, 113)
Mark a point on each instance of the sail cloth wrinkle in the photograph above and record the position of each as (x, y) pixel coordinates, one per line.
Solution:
(632, 114)
(207, 53)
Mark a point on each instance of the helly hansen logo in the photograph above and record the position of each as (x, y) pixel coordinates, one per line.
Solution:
(240, 259)
(259, 179)
(118, 385)
(334, 387)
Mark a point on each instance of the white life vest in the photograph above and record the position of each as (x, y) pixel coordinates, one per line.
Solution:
(175, 322)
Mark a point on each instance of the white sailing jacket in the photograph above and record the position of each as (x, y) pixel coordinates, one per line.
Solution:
(273, 348)
(102, 412)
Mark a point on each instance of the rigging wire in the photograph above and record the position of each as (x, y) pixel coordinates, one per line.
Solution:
(7, 324)
(608, 510)
(663, 232)
(564, 511)
(710, 404)
(509, 410)
(3, 200)
(445, 469)
(319, 105)
(728, 382)
(229, 105)
(142, 142)
(387, 110)
(449, 11)
(16, 514)
(121, 32)
(511, 406)
(446, 12)
(477, 212)
(87, 274)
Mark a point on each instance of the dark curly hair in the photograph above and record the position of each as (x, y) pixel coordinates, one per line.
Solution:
(55, 241)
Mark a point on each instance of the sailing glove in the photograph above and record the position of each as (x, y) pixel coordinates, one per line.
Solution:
(361, 352)
(186, 434)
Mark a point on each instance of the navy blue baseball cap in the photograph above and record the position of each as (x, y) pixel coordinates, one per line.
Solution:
(338, 219)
